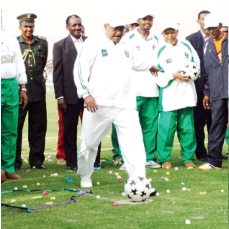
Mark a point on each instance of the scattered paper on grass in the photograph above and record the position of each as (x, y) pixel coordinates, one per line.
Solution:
(48, 202)
(52, 198)
(98, 196)
(203, 193)
(176, 168)
(36, 197)
(23, 205)
(24, 186)
(38, 184)
(110, 172)
(115, 204)
(98, 183)
(12, 200)
(187, 221)
(15, 188)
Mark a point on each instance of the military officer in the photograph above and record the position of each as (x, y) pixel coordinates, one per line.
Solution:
(34, 50)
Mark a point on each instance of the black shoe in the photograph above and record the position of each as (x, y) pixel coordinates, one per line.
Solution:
(225, 157)
(153, 192)
(202, 159)
(73, 168)
(38, 166)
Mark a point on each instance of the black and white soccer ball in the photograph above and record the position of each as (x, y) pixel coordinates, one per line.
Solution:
(137, 188)
(191, 70)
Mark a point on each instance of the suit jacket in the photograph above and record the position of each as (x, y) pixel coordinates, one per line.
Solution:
(197, 41)
(64, 56)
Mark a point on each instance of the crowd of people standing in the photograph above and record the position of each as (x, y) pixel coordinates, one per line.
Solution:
(128, 77)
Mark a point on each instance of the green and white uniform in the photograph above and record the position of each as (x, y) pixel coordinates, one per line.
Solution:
(12, 74)
(176, 101)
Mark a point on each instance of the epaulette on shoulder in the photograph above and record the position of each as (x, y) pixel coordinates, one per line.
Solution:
(131, 36)
(42, 38)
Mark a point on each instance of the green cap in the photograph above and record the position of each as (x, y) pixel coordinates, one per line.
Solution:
(27, 19)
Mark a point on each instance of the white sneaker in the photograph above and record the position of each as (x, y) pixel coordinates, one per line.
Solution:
(123, 167)
(86, 183)
(152, 165)
(208, 166)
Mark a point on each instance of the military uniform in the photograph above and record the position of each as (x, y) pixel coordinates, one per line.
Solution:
(35, 57)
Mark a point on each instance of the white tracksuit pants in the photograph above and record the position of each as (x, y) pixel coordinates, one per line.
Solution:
(95, 127)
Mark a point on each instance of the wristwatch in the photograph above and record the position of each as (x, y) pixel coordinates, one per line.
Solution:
(24, 89)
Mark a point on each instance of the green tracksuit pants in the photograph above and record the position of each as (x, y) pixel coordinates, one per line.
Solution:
(181, 121)
(226, 136)
(148, 116)
(9, 123)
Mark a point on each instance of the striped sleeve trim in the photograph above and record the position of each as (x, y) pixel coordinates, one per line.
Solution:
(80, 76)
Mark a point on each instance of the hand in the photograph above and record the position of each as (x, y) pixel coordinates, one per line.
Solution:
(154, 70)
(23, 99)
(180, 76)
(90, 104)
(3, 176)
(206, 102)
(61, 104)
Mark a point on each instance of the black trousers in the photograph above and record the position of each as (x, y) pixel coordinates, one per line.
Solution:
(219, 110)
(70, 122)
(37, 126)
(202, 118)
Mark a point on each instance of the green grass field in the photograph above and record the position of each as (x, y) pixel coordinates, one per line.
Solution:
(204, 203)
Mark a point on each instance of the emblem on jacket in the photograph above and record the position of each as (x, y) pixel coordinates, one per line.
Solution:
(168, 60)
(104, 52)
(186, 55)
(127, 54)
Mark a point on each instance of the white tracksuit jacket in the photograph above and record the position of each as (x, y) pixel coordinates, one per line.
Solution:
(12, 64)
(174, 93)
(103, 70)
(143, 81)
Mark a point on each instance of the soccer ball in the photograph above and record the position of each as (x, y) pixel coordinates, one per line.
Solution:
(137, 188)
(191, 70)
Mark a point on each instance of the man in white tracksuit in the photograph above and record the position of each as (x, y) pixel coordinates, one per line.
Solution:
(177, 97)
(104, 81)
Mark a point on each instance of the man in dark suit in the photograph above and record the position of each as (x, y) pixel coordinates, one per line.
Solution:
(202, 117)
(64, 55)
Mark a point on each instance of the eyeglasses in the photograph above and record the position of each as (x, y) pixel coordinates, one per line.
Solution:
(212, 29)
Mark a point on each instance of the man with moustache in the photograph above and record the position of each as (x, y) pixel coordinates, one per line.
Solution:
(34, 50)
(65, 52)
(216, 89)
(177, 97)
(202, 117)
(103, 79)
